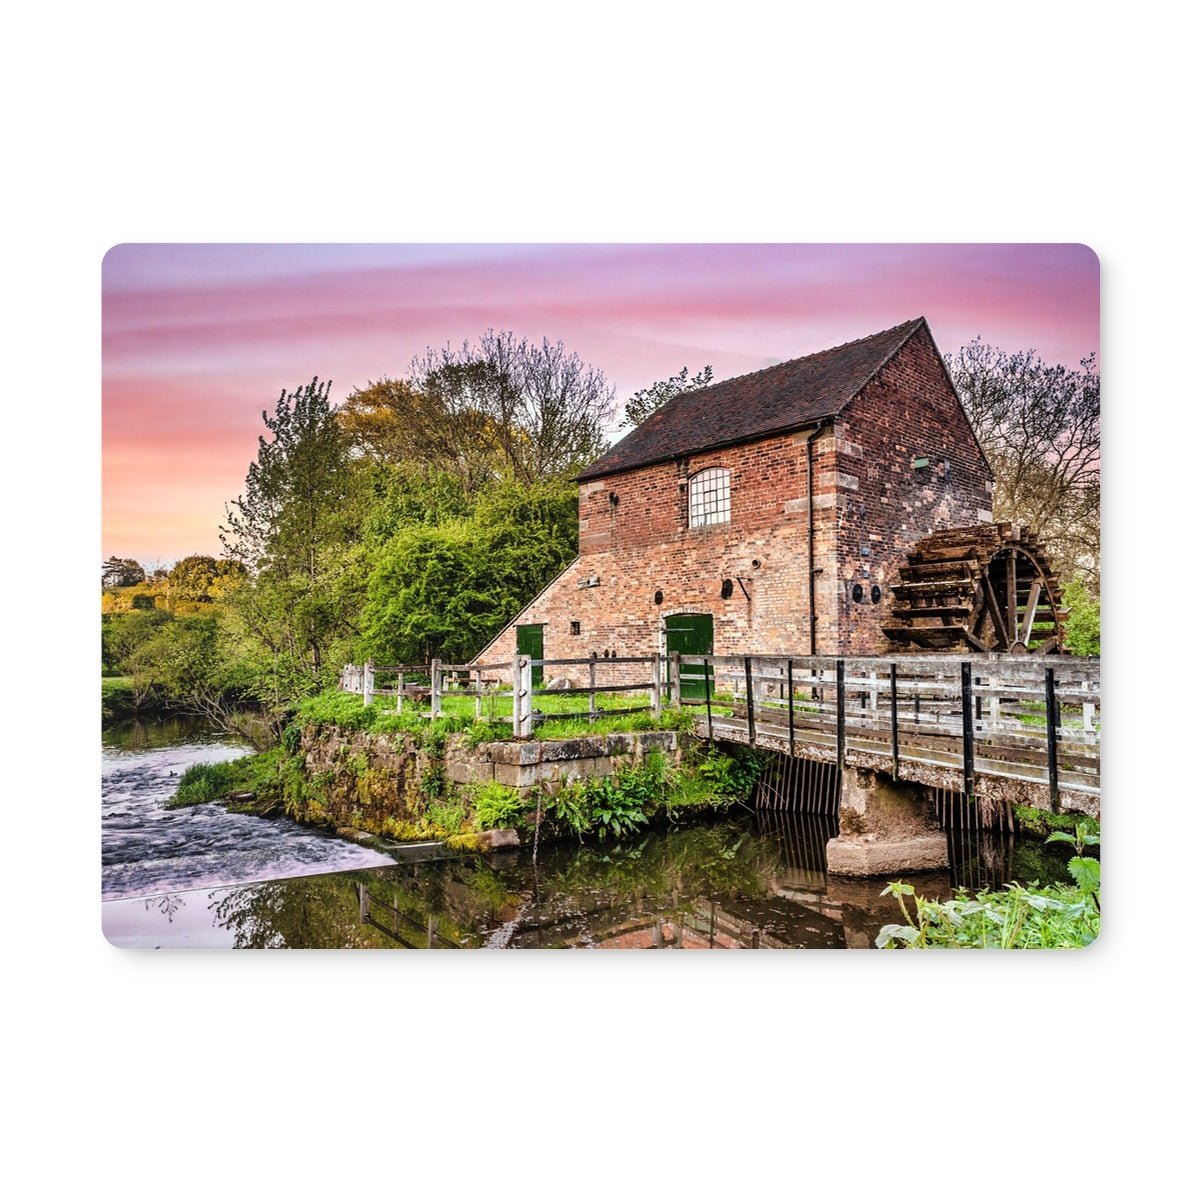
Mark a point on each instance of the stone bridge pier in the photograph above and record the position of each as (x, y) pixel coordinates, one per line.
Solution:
(885, 827)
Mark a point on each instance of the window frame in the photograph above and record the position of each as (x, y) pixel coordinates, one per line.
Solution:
(712, 504)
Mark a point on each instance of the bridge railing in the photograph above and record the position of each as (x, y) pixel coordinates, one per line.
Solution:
(1027, 717)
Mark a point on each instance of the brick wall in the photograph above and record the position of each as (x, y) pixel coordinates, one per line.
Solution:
(885, 503)
(869, 505)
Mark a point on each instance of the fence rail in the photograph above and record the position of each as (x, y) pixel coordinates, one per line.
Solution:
(1023, 717)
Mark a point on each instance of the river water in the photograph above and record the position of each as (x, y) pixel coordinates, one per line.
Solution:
(200, 877)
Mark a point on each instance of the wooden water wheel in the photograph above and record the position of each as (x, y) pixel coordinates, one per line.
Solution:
(985, 588)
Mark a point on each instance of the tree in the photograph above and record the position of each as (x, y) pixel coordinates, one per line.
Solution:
(538, 410)
(1039, 425)
(121, 572)
(445, 591)
(444, 431)
(294, 529)
(202, 578)
(642, 404)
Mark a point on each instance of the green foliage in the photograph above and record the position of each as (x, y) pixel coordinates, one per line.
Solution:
(203, 782)
(121, 572)
(1083, 625)
(620, 803)
(1055, 917)
(445, 591)
(496, 806)
(296, 529)
(642, 403)
(1037, 822)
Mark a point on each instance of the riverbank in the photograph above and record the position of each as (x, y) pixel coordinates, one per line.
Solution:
(357, 769)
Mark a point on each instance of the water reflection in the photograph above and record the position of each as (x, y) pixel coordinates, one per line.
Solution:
(756, 882)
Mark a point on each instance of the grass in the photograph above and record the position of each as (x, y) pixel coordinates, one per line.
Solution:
(569, 716)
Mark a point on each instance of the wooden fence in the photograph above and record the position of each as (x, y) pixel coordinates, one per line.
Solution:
(1028, 717)
(505, 685)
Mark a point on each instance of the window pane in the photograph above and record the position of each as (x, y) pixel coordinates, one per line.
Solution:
(708, 493)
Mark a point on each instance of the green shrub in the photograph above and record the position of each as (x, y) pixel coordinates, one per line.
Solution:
(204, 782)
(1017, 918)
(496, 806)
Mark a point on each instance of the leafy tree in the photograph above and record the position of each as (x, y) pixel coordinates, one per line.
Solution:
(295, 529)
(202, 578)
(445, 431)
(1039, 425)
(447, 590)
(121, 572)
(641, 404)
(1083, 625)
(536, 409)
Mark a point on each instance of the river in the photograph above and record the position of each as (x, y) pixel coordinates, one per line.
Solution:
(201, 877)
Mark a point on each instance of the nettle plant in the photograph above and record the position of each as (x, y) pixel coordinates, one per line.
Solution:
(1016, 918)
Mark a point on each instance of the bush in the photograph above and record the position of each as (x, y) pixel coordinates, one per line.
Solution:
(1017, 918)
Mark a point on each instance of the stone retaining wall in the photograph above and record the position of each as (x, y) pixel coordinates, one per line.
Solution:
(528, 765)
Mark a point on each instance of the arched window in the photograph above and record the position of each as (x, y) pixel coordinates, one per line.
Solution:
(708, 497)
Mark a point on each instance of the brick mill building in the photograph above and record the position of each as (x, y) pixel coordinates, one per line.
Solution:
(765, 514)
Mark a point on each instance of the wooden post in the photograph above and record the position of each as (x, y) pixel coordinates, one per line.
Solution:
(708, 694)
(895, 726)
(368, 682)
(841, 714)
(791, 712)
(592, 689)
(430, 930)
(1052, 739)
(676, 689)
(749, 698)
(968, 733)
(994, 704)
(478, 695)
(435, 688)
(522, 696)
(656, 686)
(364, 905)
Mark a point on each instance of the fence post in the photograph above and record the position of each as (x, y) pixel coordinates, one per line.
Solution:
(676, 688)
(791, 712)
(841, 714)
(479, 695)
(968, 733)
(435, 688)
(708, 693)
(749, 699)
(368, 682)
(522, 697)
(895, 725)
(592, 689)
(1052, 739)
(656, 686)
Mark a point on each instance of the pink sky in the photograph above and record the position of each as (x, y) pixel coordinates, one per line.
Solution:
(199, 339)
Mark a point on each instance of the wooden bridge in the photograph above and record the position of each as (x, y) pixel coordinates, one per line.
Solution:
(1010, 728)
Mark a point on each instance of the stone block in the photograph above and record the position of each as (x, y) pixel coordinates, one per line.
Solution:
(497, 839)
(869, 857)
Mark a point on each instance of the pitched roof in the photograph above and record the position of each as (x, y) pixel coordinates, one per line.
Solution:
(787, 396)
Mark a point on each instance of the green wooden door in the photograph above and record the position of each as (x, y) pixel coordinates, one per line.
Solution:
(529, 641)
(690, 633)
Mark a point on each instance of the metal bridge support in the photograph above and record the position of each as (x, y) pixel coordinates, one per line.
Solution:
(885, 827)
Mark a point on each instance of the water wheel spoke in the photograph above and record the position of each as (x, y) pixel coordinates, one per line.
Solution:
(1035, 590)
